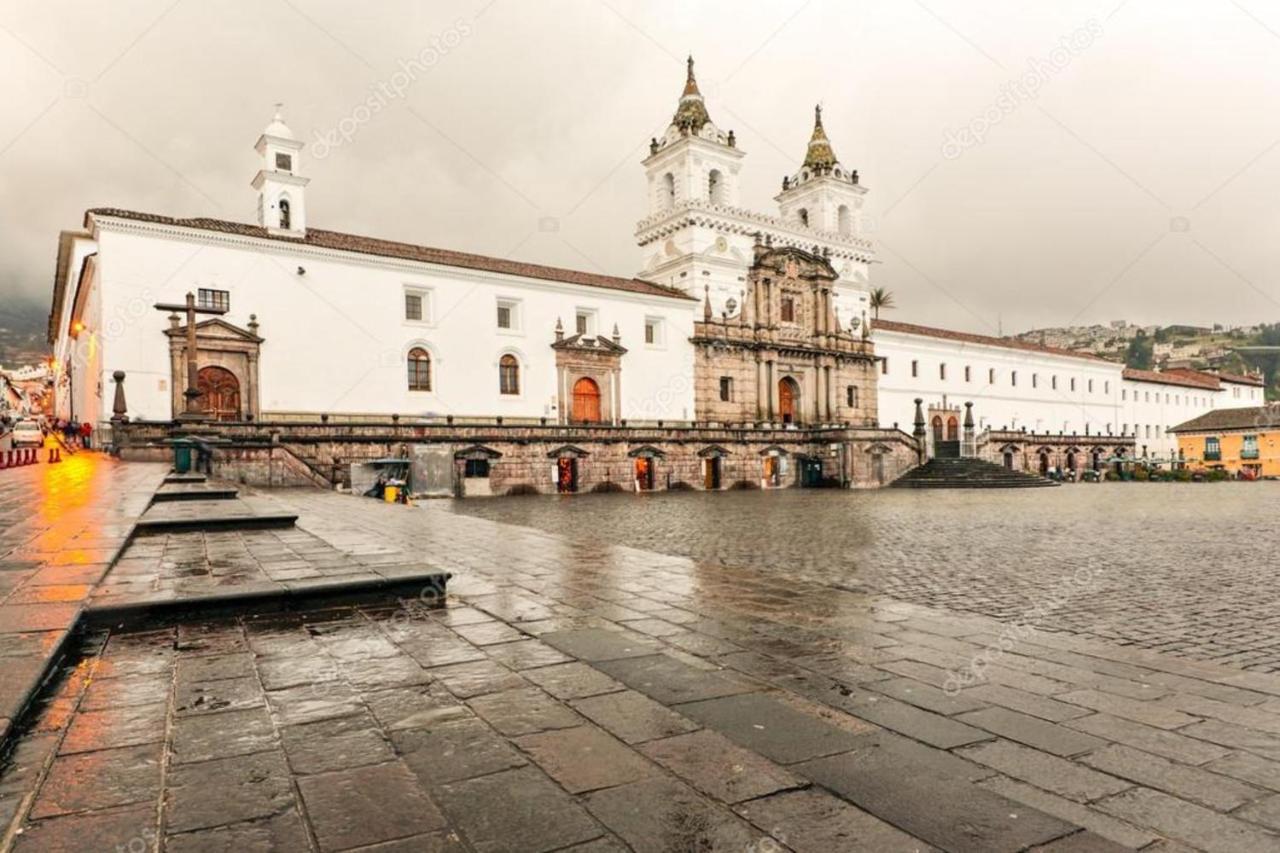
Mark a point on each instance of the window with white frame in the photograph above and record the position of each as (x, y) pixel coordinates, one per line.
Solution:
(654, 332)
(585, 322)
(417, 305)
(509, 319)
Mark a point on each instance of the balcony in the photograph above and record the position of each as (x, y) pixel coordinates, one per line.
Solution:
(1213, 456)
(1249, 453)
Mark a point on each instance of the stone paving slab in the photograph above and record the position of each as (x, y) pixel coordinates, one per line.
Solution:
(544, 708)
(195, 491)
(61, 525)
(204, 514)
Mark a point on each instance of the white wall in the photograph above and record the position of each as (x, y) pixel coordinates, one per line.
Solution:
(336, 337)
(1033, 402)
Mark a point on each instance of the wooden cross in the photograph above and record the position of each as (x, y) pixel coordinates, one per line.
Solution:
(192, 394)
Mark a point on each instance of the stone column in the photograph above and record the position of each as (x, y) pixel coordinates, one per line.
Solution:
(252, 381)
(919, 432)
(771, 384)
(817, 392)
(970, 447)
(761, 387)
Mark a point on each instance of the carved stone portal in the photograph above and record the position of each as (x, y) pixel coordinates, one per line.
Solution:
(228, 377)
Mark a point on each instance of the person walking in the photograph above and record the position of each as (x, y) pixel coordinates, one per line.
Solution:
(86, 433)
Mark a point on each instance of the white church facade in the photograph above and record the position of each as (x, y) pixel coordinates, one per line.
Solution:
(296, 322)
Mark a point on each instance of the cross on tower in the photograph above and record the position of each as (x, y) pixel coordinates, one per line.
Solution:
(192, 394)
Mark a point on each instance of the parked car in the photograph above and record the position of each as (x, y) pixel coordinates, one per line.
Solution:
(27, 434)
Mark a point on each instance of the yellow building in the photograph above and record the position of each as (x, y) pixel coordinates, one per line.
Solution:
(1233, 440)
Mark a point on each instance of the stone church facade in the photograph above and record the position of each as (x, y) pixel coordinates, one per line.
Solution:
(782, 356)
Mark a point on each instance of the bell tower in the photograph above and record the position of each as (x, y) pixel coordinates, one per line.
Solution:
(282, 207)
(824, 195)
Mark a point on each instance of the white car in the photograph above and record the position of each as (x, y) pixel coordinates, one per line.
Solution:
(27, 434)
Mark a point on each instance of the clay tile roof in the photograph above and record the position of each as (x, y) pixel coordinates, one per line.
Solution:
(340, 241)
(1241, 379)
(984, 340)
(1181, 377)
(1253, 418)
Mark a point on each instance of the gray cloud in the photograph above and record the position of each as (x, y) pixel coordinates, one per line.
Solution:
(1137, 181)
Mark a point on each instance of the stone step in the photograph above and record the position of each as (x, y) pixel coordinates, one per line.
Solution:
(195, 492)
(968, 473)
(203, 515)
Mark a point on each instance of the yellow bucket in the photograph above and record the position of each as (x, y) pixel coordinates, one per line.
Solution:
(390, 494)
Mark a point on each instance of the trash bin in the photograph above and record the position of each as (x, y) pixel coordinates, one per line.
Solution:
(391, 493)
(182, 455)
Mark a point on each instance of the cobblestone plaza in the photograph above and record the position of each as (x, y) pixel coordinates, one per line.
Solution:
(939, 672)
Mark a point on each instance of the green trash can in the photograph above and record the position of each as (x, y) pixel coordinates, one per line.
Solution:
(182, 448)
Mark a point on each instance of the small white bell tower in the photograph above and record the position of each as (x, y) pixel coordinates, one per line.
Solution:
(282, 207)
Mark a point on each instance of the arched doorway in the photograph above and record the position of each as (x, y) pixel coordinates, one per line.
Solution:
(953, 429)
(1008, 459)
(219, 393)
(788, 400)
(937, 428)
(1044, 463)
(1096, 460)
(586, 401)
(1071, 460)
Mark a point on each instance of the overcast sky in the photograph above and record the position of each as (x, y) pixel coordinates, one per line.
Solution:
(1029, 163)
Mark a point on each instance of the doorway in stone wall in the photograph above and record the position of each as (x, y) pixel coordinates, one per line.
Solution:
(566, 475)
(788, 400)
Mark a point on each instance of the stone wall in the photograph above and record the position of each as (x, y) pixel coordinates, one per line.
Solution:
(1024, 449)
(525, 458)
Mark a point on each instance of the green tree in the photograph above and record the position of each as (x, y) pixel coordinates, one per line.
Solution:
(1139, 353)
(880, 298)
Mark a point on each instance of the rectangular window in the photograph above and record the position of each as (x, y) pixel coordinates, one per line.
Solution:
(1035, 380)
(1013, 378)
(1249, 447)
(884, 366)
(788, 309)
(654, 332)
(1106, 387)
(1090, 386)
(726, 388)
(942, 372)
(915, 368)
(1053, 382)
(477, 468)
(219, 300)
(991, 376)
(1124, 394)
(1212, 449)
(1073, 383)
(968, 373)
(509, 314)
(851, 396)
(585, 322)
(284, 162)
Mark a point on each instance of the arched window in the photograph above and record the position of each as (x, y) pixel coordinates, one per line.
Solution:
(668, 190)
(419, 369)
(715, 187)
(285, 217)
(508, 375)
(844, 219)
(804, 216)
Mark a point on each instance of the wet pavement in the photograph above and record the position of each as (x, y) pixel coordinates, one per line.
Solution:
(1186, 569)
(61, 525)
(579, 694)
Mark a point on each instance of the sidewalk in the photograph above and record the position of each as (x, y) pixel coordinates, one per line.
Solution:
(609, 698)
(61, 525)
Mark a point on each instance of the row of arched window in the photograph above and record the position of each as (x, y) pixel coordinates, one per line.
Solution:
(419, 365)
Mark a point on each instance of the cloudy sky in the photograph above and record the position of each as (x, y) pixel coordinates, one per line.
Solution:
(1030, 163)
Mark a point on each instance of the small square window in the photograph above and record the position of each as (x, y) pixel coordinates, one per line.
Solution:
(508, 314)
(585, 322)
(284, 162)
(726, 388)
(413, 306)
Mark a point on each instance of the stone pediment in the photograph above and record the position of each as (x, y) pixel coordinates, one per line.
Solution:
(477, 451)
(788, 262)
(216, 329)
(646, 450)
(567, 450)
(713, 451)
(589, 343)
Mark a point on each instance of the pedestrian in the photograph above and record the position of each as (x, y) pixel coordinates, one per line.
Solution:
(86, 433)
(73, 430)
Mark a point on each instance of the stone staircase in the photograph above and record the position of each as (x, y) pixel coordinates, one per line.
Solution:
(939, 473)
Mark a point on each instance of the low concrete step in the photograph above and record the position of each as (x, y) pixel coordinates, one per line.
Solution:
(227, 514)
(189, 477)
(195, 491)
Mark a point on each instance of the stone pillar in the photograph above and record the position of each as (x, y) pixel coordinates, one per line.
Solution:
(771, 385)
(118, 407)
(919, 433)
(826, 399)
(970, 446)
(761, 389)
(251, 410)
(817, 392)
